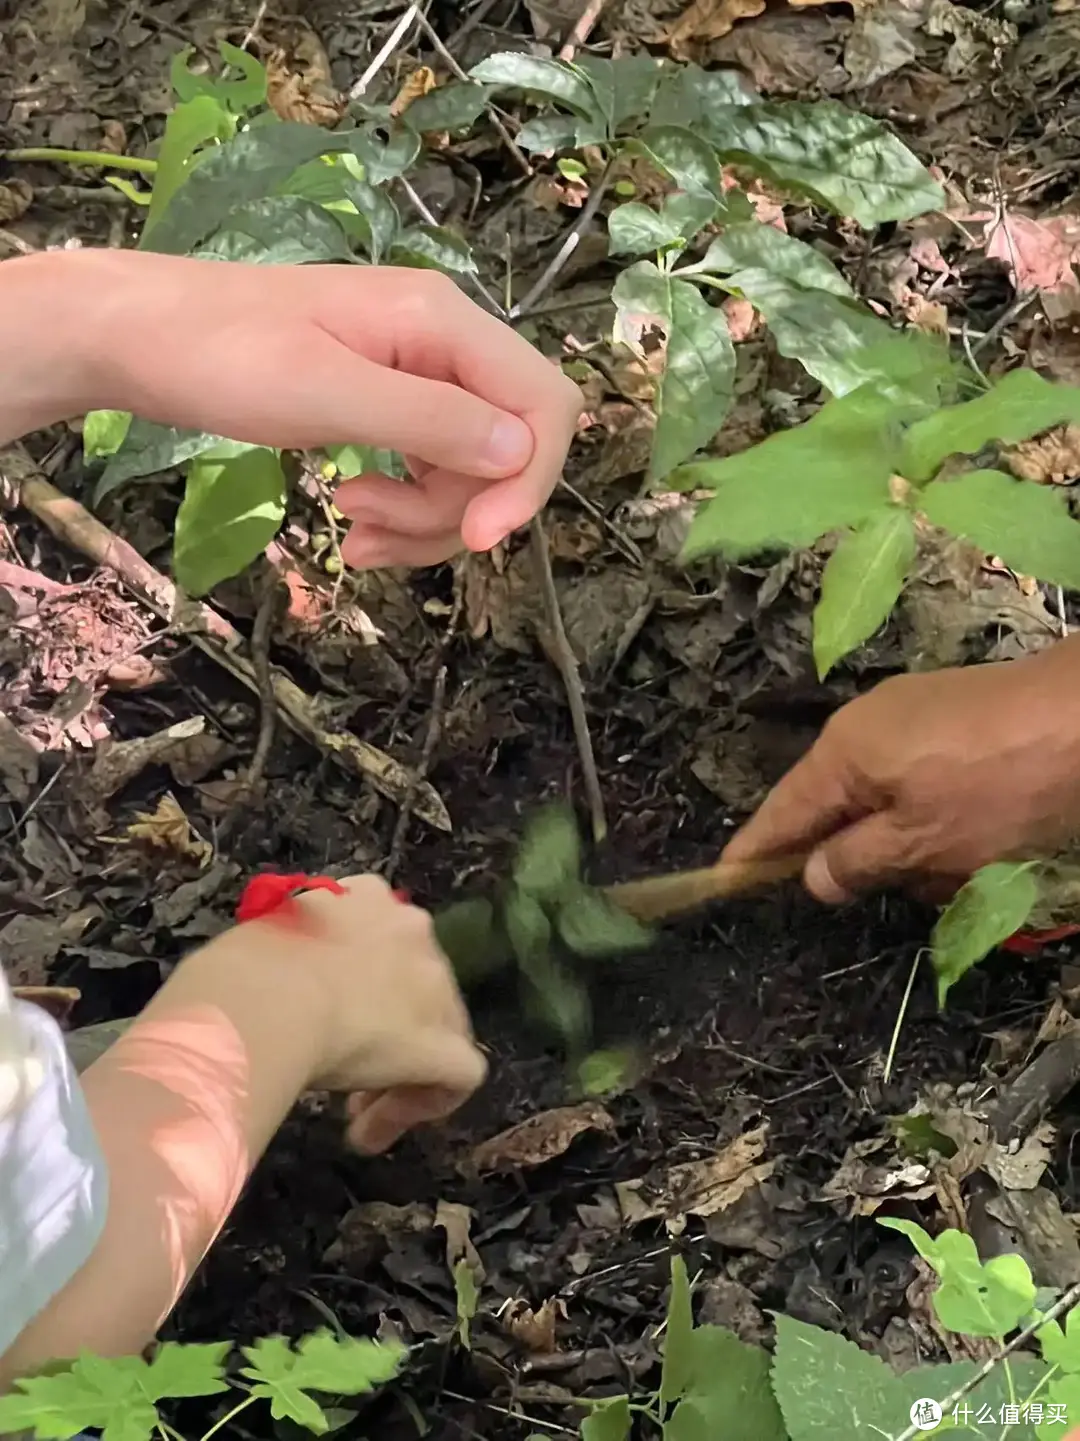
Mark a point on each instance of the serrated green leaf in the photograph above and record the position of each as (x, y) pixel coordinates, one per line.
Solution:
(688, 95)
(1061, 1345)
(846, 161)
(1019, 406)
(979, 1413)
(728, 1377)
(754, 246)
(190, 126)
(552, 79)
(381, 159)
(636, 229)
(798, 484)
(450, 107)
(149, 449)
(688, 160)
(842, 344)
(104, 432)
(991, 907)
(252, 164)
(548, 863)
(278, 230)
(187, 1369)
(433, 247)
(678, 1366)
(861, 583)
(610, 1421)
(828, 1387)
(233, 507)
(592, 925)
(975, 1298)
(347, 1366)
(466, 1300)
(695, 388)
(1026, 525)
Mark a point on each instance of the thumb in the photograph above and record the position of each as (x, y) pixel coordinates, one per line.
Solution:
(870, 853)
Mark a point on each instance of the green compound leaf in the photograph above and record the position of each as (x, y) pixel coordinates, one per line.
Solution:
(975, 1298)
(844, 160)
(104, 432)
(1019, 406)
(248, 167)
(1061, 1347)
(636, 229)
(1025, 524)
(798, 484)
(554, 998)
(148, 449)
(551, 79)
(433, 247)
(345, 1366)
(860, 584)
(528, 929)
(841, 343)
(695, 389)
(548, 864)
(762, 247)
(233, 507)
(991, 907)
(238, 96)
(688, 160)
(190, 126)
(610, 1421)
(451, 107)
(115, 1395)
(278, 230)
(592, 925)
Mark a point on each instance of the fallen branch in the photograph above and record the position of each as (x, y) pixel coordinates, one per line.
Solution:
(72, 524)
(582, 30)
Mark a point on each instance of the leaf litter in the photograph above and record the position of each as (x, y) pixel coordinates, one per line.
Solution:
(547, 1201)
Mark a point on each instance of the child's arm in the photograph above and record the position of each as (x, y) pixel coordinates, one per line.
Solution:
(353, 995)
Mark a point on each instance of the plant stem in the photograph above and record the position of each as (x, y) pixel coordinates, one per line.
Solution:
(47, 154)
(229, 1416)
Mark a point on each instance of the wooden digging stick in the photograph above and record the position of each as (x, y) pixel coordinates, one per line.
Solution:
(657, 898)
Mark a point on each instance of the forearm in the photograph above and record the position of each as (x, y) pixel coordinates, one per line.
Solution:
(183, 1106)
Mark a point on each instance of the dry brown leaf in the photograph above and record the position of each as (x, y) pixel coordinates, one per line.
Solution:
(535, 1330)
(871, 1174)
(420, 82)
(15, 199)
(456, 1221)
(299, 85)
(1054, 457)
(1021, 1168)
(365, 1229)
(699, 1188)
(540, 1138)
(706, 20)
(167, 828)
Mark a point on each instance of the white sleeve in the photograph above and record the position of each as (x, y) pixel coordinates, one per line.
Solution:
(53, 1181)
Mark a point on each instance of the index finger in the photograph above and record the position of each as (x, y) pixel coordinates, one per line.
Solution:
(806, 806)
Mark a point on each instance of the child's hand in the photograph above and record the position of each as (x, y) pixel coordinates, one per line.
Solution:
(394, 1030)
(304, 356)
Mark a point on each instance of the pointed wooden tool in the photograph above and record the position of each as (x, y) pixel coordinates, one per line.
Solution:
(658, 898)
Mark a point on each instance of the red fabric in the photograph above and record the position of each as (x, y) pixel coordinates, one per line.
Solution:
(1030, 943)
(269, 892)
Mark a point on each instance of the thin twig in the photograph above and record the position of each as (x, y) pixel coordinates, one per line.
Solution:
(260, 664)
(404, 815)
(256, 24)
(582, 30)
(521, 310)
(1066, 1303)
(571, 677)
(478, 16)
(520, 160)
(428, 218)
(394, 39)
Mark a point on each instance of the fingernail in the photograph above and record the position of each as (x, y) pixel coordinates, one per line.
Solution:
(510, 443)
(820, 883)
